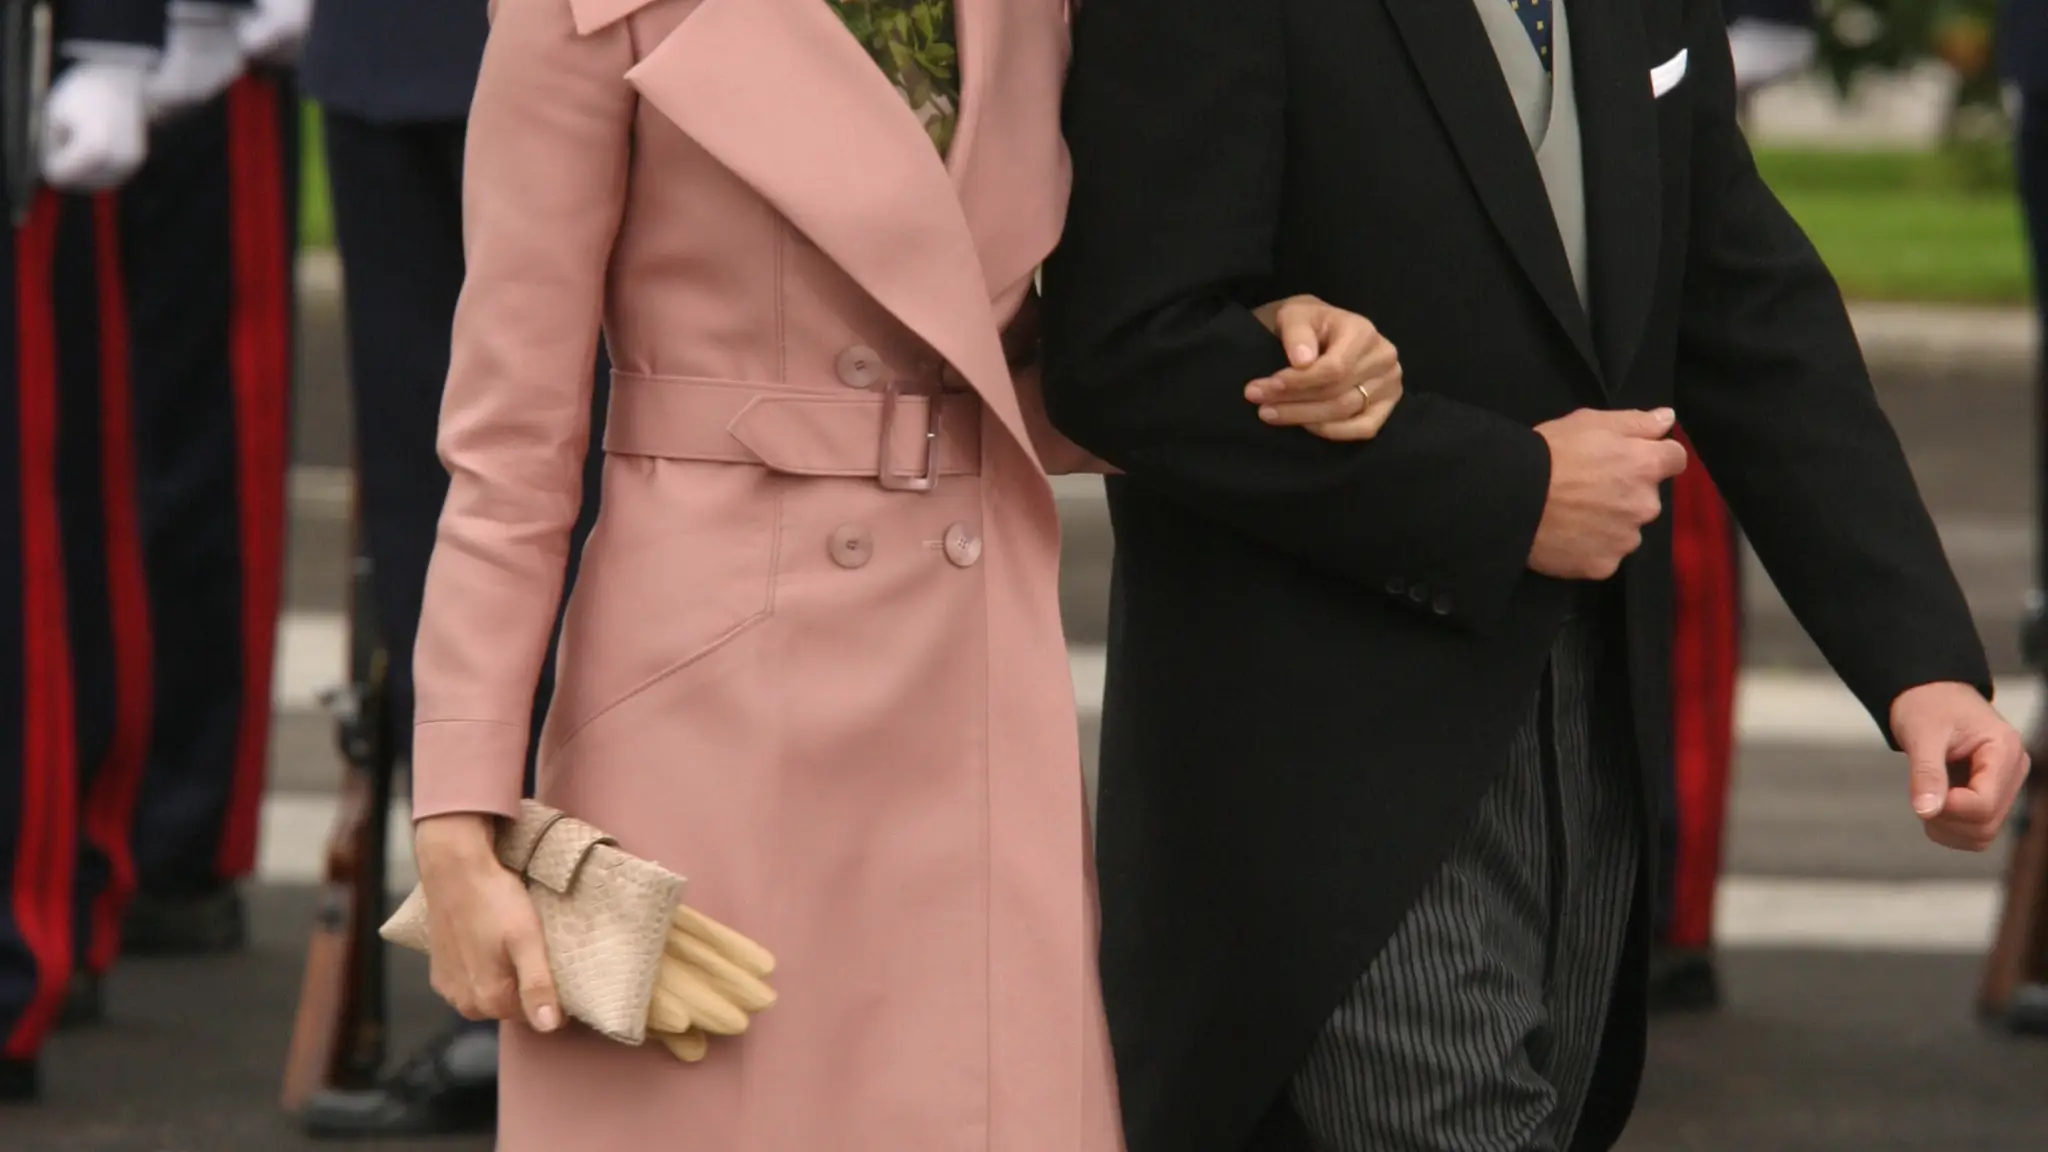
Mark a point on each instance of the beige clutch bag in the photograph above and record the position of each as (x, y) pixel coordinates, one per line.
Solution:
(606, 917)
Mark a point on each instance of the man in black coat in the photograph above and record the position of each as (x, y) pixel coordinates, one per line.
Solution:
(394, 80)
(1373, 826)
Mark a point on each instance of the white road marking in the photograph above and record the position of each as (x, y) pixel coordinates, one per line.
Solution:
(1787, 708)
(1945, 917)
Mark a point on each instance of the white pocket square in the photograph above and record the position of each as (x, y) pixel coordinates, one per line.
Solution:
(1664, 77)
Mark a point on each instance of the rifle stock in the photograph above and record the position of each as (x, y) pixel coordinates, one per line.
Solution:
(338, 1034)
(2019, 950)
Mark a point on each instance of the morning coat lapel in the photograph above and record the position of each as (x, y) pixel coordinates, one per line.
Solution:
(1450, 50)
(780, 94)
(1624, 185)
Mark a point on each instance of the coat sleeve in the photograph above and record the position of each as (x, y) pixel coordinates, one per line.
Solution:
(543, 188)
(130, 23)
(1774, 394)
(1176, 118)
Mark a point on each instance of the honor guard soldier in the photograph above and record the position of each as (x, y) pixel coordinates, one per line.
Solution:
(209, 238)
(1771, 40)
(74, 684)
(394, 80)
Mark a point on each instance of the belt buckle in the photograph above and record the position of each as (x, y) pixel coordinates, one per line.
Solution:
(906, 482)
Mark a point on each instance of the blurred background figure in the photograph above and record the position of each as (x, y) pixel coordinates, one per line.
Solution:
(2016, 993)
(74, 689)
(393, 79)
(209, 236)
(1771, 41)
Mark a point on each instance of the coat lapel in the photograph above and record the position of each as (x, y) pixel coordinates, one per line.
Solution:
(1448, 44)
(1624, 186)
(1009, 160)
(779, 93)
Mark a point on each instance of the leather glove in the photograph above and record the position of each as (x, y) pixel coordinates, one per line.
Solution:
(95, 131)
(712, 979)
(274, 30)
(202, 56)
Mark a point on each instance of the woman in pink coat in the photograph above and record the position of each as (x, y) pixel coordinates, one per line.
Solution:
(813, 660)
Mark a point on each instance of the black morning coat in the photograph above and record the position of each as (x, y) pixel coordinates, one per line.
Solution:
(1320, 651)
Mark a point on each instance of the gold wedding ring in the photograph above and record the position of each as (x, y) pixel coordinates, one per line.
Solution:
(1365, 394)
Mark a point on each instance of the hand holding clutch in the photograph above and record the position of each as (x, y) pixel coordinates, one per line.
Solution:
(627, 957)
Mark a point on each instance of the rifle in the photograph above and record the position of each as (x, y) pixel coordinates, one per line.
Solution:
(2015, 985)
(338, 1038)
(25, 68)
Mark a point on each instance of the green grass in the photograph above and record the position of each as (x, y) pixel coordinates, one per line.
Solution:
(1906, 225)
(1933, 226)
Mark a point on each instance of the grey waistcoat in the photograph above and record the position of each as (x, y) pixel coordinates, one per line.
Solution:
(1550, 116)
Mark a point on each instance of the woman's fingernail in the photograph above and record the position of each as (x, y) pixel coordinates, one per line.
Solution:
(1269, 413)
(1304, 354)
(546, 1019)
(1928, 804)
(1665, 415)
(1255, 394)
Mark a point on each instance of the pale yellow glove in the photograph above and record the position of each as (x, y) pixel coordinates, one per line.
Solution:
(711, 981)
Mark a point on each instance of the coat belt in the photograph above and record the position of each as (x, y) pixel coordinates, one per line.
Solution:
(799, 432)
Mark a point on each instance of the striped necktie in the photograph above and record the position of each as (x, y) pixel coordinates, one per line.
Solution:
(1535, 16)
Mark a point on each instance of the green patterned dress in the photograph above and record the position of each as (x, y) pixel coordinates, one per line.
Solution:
(912, 41)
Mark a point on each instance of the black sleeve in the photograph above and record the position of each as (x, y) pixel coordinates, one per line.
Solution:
(1175, 115)
(137, 22)
(1773, 391)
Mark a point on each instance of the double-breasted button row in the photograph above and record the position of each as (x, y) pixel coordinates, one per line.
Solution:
(861, 367)
(1420, 595)
(852, 546)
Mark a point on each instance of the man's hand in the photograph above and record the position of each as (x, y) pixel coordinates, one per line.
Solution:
(94, 132)
(1940, 725)
(1604, 471)
(202, 57)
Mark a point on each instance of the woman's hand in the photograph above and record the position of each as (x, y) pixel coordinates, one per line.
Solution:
(1344, 379)
(489, 958)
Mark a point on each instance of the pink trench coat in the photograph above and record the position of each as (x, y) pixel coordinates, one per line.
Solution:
(839, 706)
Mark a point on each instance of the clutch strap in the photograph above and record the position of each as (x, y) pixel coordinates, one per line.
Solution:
(547, 847)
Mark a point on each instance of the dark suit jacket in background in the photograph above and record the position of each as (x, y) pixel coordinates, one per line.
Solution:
(1319, 651)
(2022, 41)
(138, 22)
(405, 61)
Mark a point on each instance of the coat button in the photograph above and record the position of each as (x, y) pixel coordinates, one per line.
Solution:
(1442, 605)
(851, 546)
(1396, 586)
(861, 367)
(963, 547)
(1419, 594)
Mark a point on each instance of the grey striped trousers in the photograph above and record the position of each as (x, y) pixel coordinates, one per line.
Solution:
(1478, 1027)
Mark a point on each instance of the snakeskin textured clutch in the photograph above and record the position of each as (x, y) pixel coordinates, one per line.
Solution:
(604, 914)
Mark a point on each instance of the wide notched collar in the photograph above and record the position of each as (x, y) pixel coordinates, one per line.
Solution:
(1618, 137)
(780, 94)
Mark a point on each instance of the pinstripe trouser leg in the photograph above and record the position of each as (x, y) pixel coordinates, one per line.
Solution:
(1478, 1027)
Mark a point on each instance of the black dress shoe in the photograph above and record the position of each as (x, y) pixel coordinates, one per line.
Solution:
(1683, 980)
(19, 1083)
(85, 1002)
(2027, 1014)
(204, 923)
(449, 1087)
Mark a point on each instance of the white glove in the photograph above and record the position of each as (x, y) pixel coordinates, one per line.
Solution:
(202, 56)
(274, 30)
(95, 127)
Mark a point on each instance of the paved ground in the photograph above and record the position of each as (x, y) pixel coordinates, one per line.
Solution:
(1852, 943)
